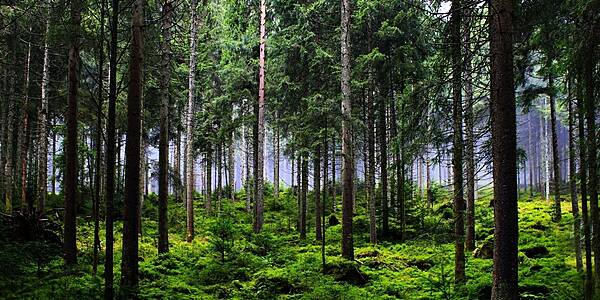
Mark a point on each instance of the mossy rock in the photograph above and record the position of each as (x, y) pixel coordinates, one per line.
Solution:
(348, 272)
(533, 291)
(421, 264)
(536, 252)
(485, 250)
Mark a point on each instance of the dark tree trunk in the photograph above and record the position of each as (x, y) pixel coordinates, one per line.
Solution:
(370, 171)
(504, 147)
(163, 148)
(71, 160)
(347, 146)
(317, 191)
(457, 155)
(98, 173)
(589, 276)
(129, 268)
(303, 192)
(276, 164)
(42, 179)
(383, 157)
(258, 202)
(110, 155)
(469, 136)
(573, 184)
(555, 158)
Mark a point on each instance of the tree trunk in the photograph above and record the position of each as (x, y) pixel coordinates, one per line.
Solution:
(383, 156)
(24, 140)
(457, 155)
(370, 171)
(209, 162)
(347, 147)
(163, 148)
(317, 192)
(110, 155)
(231, 167)
(42, 179)
(555, 158)
(258, 202)
(303, 195)
(276, 163)
(98, 186)
(573, 184)
(129, 269)
(590, 108)
(589, 276)
(189, 159)
(469, 136)
(504, 146)
(71, 160)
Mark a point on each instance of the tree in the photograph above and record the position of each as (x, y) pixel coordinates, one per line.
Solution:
(110, 155)
(347, 148)
(71, 182)
(260, 119)
(131, 223)
(42, 179)
(163, 159)
(189, 154)
(504, 148)
(457, 155)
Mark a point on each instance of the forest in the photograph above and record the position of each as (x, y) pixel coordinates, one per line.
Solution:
(299, 149)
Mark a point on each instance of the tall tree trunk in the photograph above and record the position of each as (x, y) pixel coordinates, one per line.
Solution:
(317, 192)
(209, 162)
(530, 156)
(247, 183)
(573, 184)
(98, 173)
(589, 276)
(469, 135)
(383, 156)
(110, 155)
(42, 179)
(231, 167)
(163, 148)
(276, 163)
(303, 196)
(258, 202)
(333, 172)
(457, 155)
(589, 64)
(347, 146)
(370, 172)
(133, 151)
(24, 140)
(504, 146)
(71, 160)
(189, 156)
(555, 159)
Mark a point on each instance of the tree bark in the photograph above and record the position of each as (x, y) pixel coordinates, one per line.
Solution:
(383, 156)
(163, 148)
(555, 158)
(110, 155)
(276, 163)
(347, 146)
(23, 137)
(189, 159)
(370, 172)
(131, 222)
(317, 192)
(71, 160)
(583, 160)
(457, 155)
(258, 202)
(469, 136)
(42, 179)
(504, 147)
(98, 143)
(573, 184)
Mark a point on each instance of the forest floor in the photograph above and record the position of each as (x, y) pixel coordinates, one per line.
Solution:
(226, 260)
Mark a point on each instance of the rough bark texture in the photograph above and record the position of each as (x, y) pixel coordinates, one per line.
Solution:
(258, 202)
(370, 171)
(303, 192)
(504, 147)
(317, 191)
(98, 143)
(71, 161)
(110, 155)
(276, 164)
(555, 158)
(383, 158)
(24, 135)
(129, 267)
(347, 146)
(163, 148)
(42, 179)
(587, 234)
(457, 155)
(573, 187)
(469, 138)
(189, 157)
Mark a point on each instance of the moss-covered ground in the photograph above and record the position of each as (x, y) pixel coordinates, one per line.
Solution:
(227, 261)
